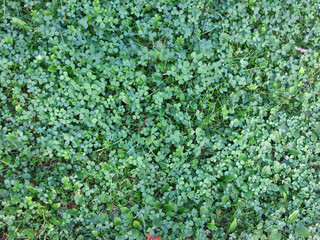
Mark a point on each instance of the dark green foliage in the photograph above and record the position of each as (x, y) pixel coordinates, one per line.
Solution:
(186, 119)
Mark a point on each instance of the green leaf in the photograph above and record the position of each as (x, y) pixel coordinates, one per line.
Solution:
(293, 216)
(104, 197)
(242, 157)
(136, 234)
(124, 210)
(181, 210)
(314, 137)
(129, 217)
(55, 206)
(20, 23)
(180, 41)
(301, 70)
(224, 37)
(187, 232)
(84, 22)
(267, 147)
(117, 221)
(225, 199)
(157, 204)
(229, 178)
(305, 96)
(103, 218)
(52, 69)
(19, 108)
(204, 211)
(168, 208)
(266, 170)
(95, 233)
(284, 130)
(29, 232)
(276, 166)
(9, 40)
(4, 193)
(317, 130)
(48, 13)
(125, 99)
(165, 188)
(6, 159)
(276, 136)
(78, 198)
(212, 225)
(302, 231)
(136, 224)
(274, 187)
(294, 152)
(233, 225)
(275, 235)
(56, 221)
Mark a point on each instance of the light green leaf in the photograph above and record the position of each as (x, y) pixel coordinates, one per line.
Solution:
(293, 216)
(55, 206)
(212, 225)
(136, 234)
(301, 70)
(305, 96)
(229, 178)
(225, 199)
(124, 210)
(302, 231)
(20, 23)
(29, 232)
(317, 130)
(275, 235)
(294, 152)
(136, 224)
(233, 225)
(56, 221)
(95, 233)
(52, 69)
(4, 193)
(242, 157)
(266, 170)
(204, 211)
(103, 218)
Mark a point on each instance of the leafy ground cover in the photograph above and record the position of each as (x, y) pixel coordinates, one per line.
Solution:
(141, 119)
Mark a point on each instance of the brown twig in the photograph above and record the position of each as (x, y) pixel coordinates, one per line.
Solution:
(140, 129)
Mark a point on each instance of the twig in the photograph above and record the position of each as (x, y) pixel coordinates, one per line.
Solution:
(140, 129)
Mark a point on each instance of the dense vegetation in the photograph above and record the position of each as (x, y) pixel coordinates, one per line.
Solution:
(191, 119)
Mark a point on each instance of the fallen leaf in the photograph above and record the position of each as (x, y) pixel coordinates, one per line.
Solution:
(153, 238)
(301, 49)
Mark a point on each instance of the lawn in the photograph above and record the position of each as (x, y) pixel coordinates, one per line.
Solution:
(149, 119)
